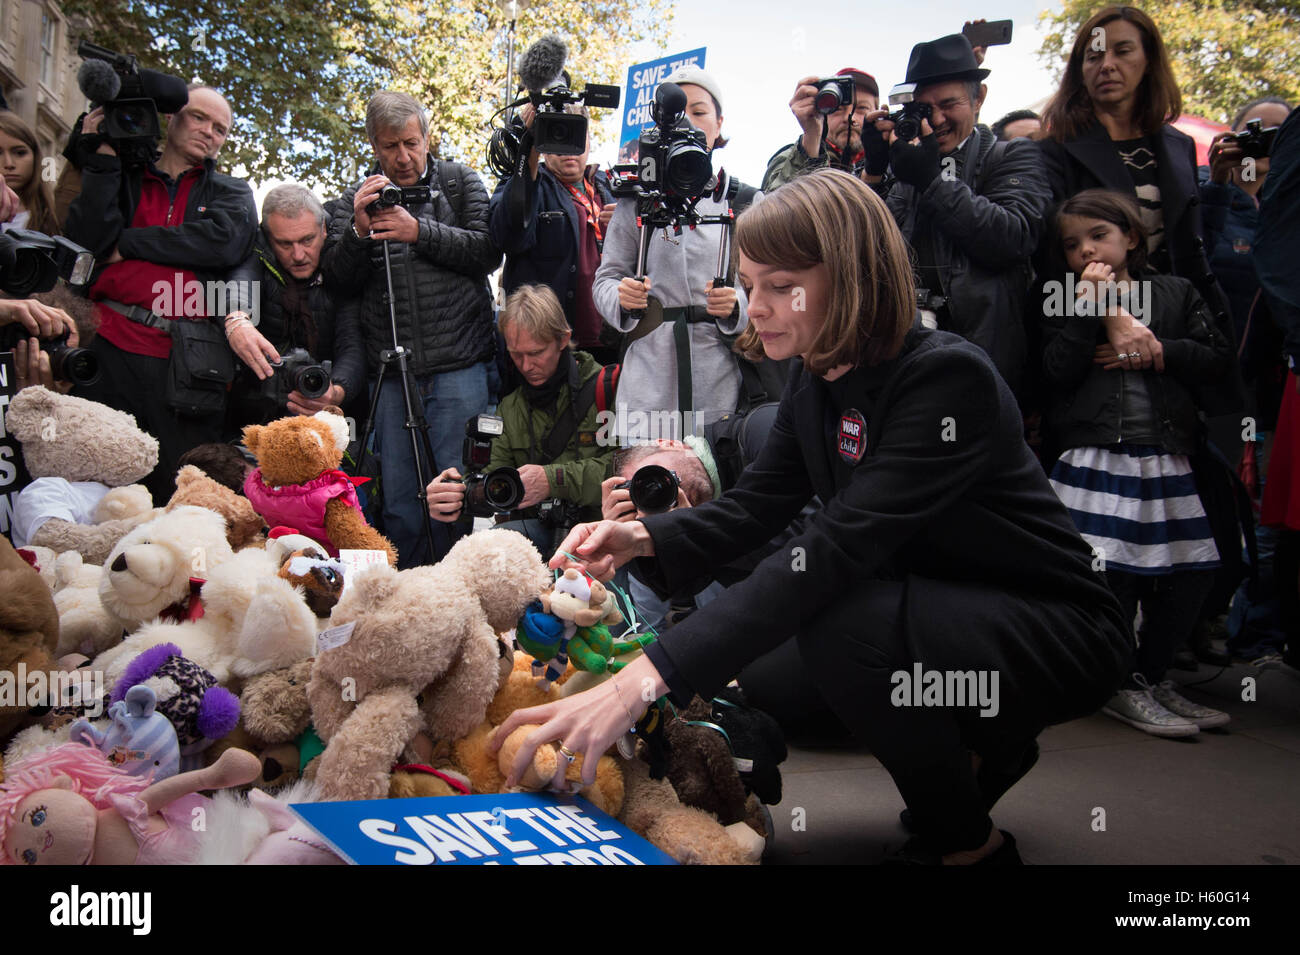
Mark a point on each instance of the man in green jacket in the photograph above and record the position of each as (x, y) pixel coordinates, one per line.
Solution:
(569, 473)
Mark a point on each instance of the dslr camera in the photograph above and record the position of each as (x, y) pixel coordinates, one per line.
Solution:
(652, 488)
(907, 119)
(495, 492)
(1254, 141)
(407, 196)
(833, 94)
(296, 371)
(32, 262)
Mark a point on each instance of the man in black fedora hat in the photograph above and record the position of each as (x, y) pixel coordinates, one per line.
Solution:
(971, 207)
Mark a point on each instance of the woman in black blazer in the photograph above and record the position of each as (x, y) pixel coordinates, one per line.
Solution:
(1108, 127)
(941, 551)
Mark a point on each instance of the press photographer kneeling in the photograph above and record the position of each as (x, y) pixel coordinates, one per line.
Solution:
(547, 435)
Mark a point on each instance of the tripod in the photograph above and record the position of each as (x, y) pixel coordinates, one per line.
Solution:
(415, 423)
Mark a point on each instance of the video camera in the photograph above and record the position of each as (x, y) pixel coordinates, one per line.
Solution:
(32, 262)
(498, 491)
(907, 120)
(408, 196)
(1254, 141)
(556, 129)
(132, 99)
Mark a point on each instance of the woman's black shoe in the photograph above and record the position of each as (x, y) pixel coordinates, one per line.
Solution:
(917, 851)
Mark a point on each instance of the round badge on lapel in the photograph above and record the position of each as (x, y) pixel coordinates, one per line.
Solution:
(852, 436)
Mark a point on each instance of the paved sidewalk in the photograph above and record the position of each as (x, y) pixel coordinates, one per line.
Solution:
(1228, 796)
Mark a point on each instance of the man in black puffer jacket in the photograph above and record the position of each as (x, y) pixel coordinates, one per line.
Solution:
(441, 257)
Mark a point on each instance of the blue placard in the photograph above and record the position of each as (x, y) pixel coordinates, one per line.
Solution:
(504, 829)
(642, 81)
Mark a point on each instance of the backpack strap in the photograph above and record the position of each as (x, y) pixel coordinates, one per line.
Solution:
(449, 176)
(561, 434)
(606, 386)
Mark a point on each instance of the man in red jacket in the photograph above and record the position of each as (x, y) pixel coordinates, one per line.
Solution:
(164, 235)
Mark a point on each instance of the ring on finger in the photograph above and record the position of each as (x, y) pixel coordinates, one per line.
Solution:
(567, 753)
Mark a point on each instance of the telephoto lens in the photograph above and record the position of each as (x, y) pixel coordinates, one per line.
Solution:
(77, 365)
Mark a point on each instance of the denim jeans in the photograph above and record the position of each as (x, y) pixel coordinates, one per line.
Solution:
(449, 399)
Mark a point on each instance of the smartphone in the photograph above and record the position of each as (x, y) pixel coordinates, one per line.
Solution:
(996, 33)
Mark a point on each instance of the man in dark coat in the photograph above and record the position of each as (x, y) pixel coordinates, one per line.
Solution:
(971, 207)
(441, 255)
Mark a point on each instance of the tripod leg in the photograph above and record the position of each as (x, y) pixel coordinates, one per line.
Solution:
(370, 418)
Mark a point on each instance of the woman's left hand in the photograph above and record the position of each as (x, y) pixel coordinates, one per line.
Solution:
(588, 723)
(1109, 359)
(722, 301)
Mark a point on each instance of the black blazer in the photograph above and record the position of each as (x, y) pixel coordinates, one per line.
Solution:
(947, 497)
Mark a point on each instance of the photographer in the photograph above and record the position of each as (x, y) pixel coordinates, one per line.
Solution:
(441, 256)
(31, 362)
(552, 443)
(683, 364)
(154, 229)
(294, 311)
(554, 233)
(843, 125)
(971, 207)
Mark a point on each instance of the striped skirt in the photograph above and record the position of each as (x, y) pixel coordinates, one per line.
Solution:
(1137, 507)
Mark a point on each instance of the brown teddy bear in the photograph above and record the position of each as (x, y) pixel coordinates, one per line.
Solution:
(415, 652)
(29, 629)
(243, 524)
(79, 453)
(274, 715)
(298, 484)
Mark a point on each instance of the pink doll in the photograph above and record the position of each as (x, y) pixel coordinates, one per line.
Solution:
(70, 806)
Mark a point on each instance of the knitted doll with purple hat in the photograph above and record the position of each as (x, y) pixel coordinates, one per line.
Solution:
(188, 695)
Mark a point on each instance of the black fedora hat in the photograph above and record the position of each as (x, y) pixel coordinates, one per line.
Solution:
(947, 58)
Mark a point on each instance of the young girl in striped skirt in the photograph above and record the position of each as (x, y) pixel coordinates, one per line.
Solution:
(1124, 356)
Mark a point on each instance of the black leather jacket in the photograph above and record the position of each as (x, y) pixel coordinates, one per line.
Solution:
(1087, 405)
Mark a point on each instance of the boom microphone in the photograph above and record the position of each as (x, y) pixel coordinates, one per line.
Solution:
(98, 81)
(169, 93)
(543, 62)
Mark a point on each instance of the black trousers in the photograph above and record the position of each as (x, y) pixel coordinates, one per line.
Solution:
(1053, 662)
(1171, 606)
(137, 384)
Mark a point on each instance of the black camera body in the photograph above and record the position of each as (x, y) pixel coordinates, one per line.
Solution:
(907, 119)
(652, 488)
(674, 168)
(407, 196)
(558, 131)
(834, 93)
(67, 363)
(487, 492)
(1255, 141)
(296, 371)
(32, 262)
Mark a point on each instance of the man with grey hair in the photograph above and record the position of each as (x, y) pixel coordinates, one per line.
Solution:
(282, 304)
(441, 255)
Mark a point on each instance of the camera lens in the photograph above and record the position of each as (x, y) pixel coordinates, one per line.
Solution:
(907, 128)
(390, 195)
(77, 365)
(827, 99)
(653, 489)
(688, 169)
(312, 382)
(503, 489)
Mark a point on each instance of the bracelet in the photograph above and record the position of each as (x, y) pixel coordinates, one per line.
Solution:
(238, 316)
(232, 326)
(356, 233)
(619, 690)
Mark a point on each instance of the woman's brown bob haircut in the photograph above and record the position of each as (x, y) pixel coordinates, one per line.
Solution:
(831, 218)
(1158, 99)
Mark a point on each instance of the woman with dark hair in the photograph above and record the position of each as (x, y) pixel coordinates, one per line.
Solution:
(1109, 127)
(21, 166)
(940, 554)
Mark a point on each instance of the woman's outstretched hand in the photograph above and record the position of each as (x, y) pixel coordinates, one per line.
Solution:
(604, 547)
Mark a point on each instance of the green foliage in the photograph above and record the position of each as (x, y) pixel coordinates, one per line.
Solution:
(298, 72)
(1224, 52)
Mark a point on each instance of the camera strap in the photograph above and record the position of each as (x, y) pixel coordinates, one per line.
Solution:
(141, 316)
(581, 398)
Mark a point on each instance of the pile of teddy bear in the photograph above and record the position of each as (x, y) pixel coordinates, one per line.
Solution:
(192, 658)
